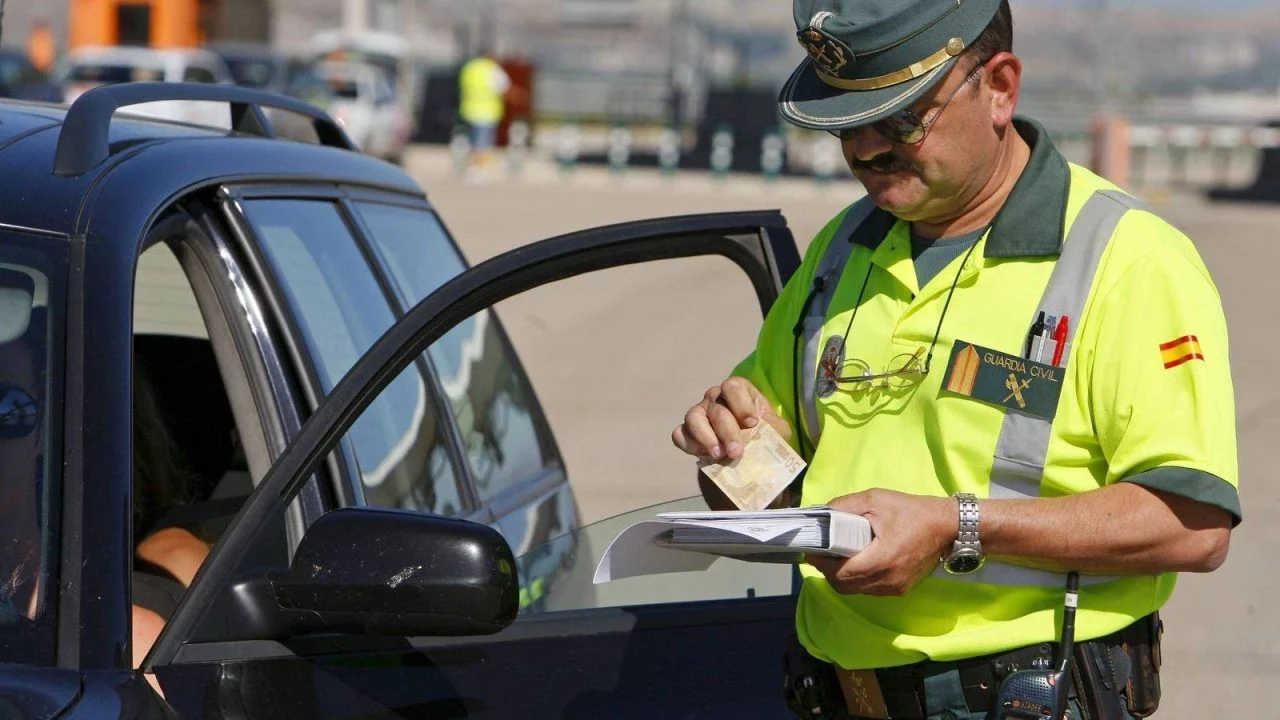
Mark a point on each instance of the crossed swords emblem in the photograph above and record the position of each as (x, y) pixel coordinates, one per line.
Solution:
(1015, 390)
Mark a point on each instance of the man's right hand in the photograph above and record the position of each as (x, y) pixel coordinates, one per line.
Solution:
(714, 427)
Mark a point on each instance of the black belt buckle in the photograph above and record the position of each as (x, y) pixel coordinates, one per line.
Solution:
(903, 691)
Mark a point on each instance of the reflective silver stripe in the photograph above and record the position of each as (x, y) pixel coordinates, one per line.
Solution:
(998, 573)
(829, 269)
(1024, 439)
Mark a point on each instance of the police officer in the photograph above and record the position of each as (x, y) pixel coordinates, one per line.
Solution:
(1010, 366)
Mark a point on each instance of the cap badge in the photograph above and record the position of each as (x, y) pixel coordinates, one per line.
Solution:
(827, 52)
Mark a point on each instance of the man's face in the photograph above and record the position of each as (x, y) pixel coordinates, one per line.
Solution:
(933, 180)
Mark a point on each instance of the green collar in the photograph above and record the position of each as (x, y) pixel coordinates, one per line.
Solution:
(1033, 218)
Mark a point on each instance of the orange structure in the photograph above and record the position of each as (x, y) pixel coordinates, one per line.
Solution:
(155, 23)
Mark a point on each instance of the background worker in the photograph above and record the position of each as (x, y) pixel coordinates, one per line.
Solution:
(1004, 362)
(483, 86)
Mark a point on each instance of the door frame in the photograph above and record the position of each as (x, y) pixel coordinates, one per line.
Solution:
(758, 242)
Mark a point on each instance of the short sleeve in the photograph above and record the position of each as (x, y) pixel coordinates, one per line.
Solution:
(1160, 387)
(771, 366)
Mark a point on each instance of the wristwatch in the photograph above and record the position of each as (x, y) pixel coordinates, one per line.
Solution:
(966, 553)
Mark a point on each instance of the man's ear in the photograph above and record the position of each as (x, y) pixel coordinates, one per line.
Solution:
(1004, 78)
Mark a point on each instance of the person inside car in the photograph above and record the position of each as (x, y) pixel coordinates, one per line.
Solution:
(166, 557)
(21, 441)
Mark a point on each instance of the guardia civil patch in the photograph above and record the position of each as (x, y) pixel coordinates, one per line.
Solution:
(1002, 379)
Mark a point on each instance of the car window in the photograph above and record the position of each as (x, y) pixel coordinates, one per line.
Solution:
(197, 74)
(382, 92)
(106, 73)
(506, 438)
(29, 417)
(251, 72)
(399, 444)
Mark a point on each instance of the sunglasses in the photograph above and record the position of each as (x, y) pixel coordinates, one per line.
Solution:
(19, 412)
(905, 127)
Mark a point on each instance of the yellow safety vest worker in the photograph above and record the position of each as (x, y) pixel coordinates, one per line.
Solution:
(480, 84)
(1142, 394)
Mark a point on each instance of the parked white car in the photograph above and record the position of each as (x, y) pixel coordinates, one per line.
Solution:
(367, 107)
(85, 68)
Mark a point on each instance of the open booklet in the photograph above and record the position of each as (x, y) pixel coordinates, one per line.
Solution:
(691, 541)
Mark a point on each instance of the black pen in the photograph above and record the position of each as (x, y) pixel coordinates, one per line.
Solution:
(1037, 328)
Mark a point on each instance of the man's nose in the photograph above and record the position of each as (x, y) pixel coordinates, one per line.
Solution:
(867, 144)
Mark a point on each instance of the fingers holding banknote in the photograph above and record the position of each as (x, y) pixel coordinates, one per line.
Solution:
(714, 428)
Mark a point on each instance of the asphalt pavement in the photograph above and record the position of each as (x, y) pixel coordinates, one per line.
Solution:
(617, 357)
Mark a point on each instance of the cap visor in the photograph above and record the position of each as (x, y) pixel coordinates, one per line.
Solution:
(809, 102)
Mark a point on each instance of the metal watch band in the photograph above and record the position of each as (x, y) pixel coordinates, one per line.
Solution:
(968, 534)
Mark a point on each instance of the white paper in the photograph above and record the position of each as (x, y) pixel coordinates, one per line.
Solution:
(780, 536)
(635, 552)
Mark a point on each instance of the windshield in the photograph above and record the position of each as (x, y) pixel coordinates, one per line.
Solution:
(559, 585)
(107, 74)
(251, 72)
(29, 282)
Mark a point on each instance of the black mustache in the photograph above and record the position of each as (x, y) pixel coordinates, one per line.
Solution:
(886, 163)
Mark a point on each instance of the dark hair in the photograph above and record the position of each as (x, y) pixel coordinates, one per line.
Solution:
(160, 479)
(995, 39)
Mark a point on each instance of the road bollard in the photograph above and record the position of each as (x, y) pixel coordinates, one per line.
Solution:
(568, 147)
(721, 152)
(619, 149)
(824, 152)
(771, 155)
(669, 152)
(517, 147)
(1226, 143)
(1181, 139)
(460, 149)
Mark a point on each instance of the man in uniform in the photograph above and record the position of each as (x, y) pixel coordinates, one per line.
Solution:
(1009, 366)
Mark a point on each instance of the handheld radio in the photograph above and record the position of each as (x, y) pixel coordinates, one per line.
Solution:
(1042, 694)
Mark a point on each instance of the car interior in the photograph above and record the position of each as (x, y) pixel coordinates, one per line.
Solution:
(175, 362)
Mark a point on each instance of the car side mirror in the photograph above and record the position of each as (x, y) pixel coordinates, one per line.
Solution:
(381, 572)
(396, 572)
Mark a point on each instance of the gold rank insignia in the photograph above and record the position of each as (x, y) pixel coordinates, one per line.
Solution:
(829, 54)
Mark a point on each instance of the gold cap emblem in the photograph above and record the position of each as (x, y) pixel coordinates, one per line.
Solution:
(829, 54)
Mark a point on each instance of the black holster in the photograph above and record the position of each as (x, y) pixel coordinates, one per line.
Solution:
(1120, 672)
(1141, 643)
(810, 686)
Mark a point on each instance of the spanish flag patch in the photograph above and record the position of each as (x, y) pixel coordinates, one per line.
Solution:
(1177, 352)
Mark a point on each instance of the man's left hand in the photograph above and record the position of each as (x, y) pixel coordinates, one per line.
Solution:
(911, 533)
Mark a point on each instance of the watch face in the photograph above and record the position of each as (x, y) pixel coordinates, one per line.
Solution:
(964, 562)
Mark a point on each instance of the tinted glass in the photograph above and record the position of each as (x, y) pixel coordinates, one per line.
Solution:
(105, 74)
(29, 416)
(199, 75)
(399, 444)
(251, 72)
(507, 440)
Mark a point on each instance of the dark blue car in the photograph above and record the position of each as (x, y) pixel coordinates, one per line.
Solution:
(331, 405)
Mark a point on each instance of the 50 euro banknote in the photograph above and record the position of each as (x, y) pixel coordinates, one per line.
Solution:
(766, 468)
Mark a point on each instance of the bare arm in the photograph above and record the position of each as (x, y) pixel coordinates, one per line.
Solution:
(1119, 529)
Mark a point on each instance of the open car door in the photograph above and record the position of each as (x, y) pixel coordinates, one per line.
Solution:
(399, 614)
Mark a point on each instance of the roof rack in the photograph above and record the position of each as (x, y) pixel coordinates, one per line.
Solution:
(84, 140)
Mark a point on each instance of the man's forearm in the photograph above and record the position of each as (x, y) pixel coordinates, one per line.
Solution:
(1119, 529)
